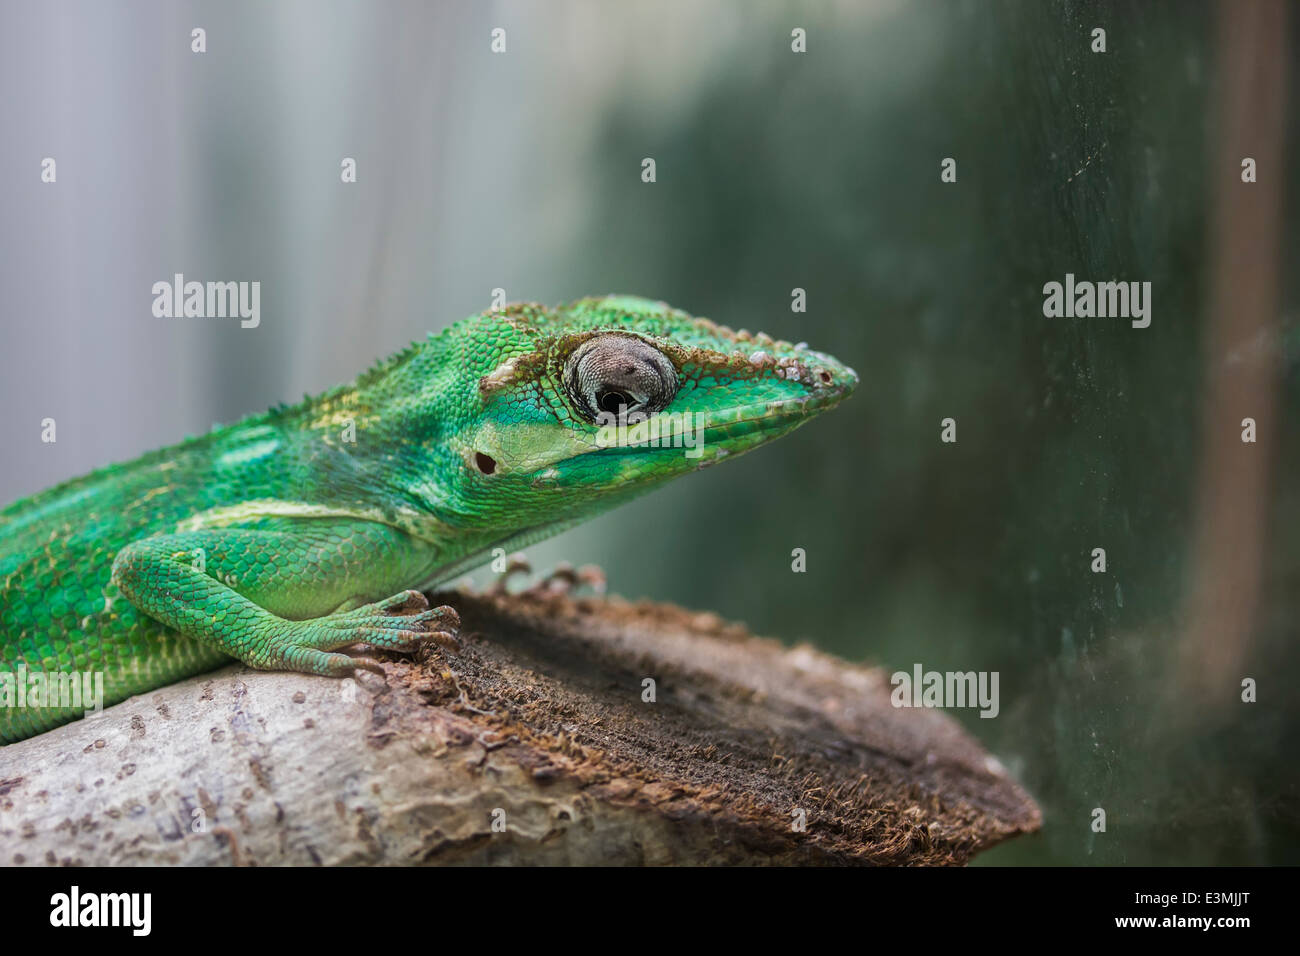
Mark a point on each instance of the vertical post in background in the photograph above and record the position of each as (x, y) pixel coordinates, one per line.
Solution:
(1242, 354)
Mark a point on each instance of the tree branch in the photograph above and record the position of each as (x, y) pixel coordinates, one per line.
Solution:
(540, 724)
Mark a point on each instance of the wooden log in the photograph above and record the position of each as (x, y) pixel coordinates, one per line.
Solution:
(539, 743)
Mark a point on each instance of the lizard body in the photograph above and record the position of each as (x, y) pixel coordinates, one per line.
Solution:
(287, 536)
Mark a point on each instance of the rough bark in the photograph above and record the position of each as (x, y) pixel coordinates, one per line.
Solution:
(539, 722)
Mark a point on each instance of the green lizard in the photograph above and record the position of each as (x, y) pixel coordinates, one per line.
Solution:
(285, 537)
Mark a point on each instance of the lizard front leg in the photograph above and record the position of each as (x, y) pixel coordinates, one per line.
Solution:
(286, 598)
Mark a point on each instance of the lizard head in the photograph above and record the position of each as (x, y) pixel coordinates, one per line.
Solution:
(577, 408)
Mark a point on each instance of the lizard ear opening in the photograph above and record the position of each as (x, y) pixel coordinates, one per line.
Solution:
(485, 463)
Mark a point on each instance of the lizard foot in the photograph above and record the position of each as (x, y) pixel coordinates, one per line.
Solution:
(402, 622)
(516, 565)
(565, 580)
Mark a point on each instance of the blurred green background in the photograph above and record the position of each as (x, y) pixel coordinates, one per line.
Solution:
(775, 170)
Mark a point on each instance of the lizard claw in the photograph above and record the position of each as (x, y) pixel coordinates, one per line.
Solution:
(366, 664)
(404, 603)
(446, 639)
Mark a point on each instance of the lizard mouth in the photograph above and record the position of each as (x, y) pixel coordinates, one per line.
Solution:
(640, 453)
(777, 412)
(761, 415)
(708, 437)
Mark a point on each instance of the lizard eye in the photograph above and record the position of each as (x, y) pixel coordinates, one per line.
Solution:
(619, 374)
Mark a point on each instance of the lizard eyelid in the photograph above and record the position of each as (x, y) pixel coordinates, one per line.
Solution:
(617, 374)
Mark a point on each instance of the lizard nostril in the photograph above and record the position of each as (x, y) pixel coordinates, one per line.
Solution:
(824, 377)
(485, 464)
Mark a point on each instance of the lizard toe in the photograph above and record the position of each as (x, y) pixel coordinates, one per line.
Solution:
(404, 603)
